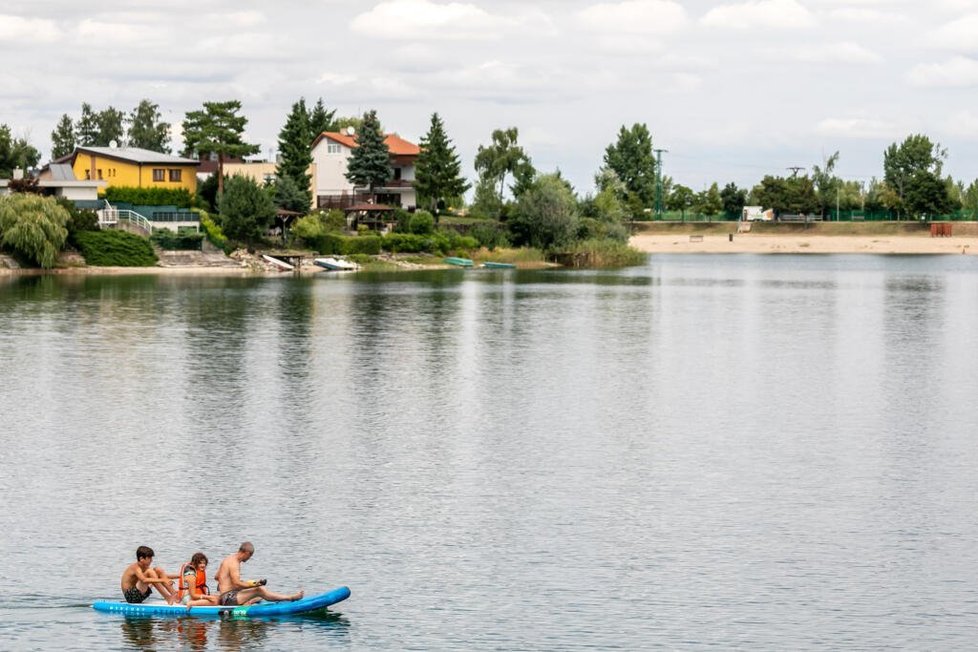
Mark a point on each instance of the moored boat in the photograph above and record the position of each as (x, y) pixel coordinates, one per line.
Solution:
(279, 264)
(459, 262)
(489, 264)
(336, 264)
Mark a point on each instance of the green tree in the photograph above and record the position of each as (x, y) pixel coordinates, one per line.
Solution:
(217, 128)
(438, 172)
(733, 199)
(546, 215)
(63, 138)
(915, 160)
(485, 201)
(681, 199)
(827, 185)
(15, 153)
(709, 202)
(632, 159)
(294, 141)
(321, 120)
(369, 165)
(246, 209)
(503, 157)
(33, 227)
(111, 127)
(87, 127)
(969, 199)
(794, 195)
(286, 194)
(345, 121)
(147, 129)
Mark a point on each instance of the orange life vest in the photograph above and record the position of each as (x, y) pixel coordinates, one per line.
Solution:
(200, 581)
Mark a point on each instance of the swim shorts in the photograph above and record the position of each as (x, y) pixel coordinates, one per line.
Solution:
(229, 598)
(135, 596)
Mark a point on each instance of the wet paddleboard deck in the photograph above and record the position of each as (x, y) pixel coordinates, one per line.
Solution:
(262, 609)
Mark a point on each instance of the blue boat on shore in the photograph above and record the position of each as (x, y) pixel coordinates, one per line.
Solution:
(459, 262)
(494, 265)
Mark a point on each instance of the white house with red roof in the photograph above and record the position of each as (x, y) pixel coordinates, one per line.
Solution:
(330, 153)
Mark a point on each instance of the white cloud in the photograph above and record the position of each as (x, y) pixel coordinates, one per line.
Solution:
(778, 14)
(963, 124)
(414, 19)
(870, 17)
(27, 30)
(858, 127)
(956, 72)
(634, 17)
(960, 35)
(834, 53)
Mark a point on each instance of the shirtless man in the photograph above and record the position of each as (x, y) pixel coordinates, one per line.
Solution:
(139, 577)
(235, 591)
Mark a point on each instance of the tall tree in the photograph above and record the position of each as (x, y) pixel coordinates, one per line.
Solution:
(681, 199)
(915, 160)
(63, 137)
(632, 159)
(438, 172)
(321, 120)
(827, 185)
(969, 199)
(295, 154)
(503, 157)
(217, 128)
(546, 214)
(110, 127)
(87, 128)
(369, 164)
(709, 201)
(15, 153)
(246, 209)
(147, 129)
(733, 199)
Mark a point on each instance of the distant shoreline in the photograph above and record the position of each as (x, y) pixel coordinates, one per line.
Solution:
(751, 243)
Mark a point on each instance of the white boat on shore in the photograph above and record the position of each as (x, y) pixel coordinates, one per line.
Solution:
(336, 264)
(278, 264)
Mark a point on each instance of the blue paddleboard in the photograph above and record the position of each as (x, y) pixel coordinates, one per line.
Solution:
(260, 610)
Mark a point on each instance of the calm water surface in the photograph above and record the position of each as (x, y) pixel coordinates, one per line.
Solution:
(706, 452)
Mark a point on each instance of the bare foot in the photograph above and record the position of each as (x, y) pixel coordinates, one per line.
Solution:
(298, 596)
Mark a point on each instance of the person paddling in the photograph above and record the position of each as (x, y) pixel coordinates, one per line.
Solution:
(235, 591)
(139, 577)
(193, 582)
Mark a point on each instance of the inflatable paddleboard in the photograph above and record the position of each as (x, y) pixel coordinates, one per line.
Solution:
(261, 610)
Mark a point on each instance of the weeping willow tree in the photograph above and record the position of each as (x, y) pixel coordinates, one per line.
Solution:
(33, 227)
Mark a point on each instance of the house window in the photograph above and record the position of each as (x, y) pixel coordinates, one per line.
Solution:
(159, 174)
(333, 148)
(88, 175)
(397, 174)
(175, 175)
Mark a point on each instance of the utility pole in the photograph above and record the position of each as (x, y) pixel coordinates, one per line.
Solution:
(795, 169)
(658, 181)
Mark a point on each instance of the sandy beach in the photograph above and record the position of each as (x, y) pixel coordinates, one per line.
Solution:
(751, 243)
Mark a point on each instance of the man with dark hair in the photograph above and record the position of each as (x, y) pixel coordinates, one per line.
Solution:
(235, 591)
(139, 577)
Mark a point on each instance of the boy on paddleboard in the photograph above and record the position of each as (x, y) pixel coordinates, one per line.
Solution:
(139, 577)
(235, 591)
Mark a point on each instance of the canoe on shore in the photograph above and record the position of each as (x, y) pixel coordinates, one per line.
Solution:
(308, 605)
(494, 265)
(459, 262)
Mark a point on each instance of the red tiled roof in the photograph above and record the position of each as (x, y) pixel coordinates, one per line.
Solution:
(397, 145)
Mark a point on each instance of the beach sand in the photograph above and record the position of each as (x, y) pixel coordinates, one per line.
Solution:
(750, 243)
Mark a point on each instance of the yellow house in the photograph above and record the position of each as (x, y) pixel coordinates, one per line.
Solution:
(133, 167)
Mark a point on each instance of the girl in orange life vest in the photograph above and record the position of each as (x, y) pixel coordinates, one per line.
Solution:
(193, 582)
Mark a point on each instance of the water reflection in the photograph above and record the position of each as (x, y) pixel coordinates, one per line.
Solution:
(224, 633)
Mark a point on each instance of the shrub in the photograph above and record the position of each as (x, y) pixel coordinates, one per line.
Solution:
(546, 215)
(490, 235)
(363, 244)
(79, 219)
(33, 227)
(334, 220)
(309, 228)
(246, 209)
(116, 249)
(589, 228)
(170, 241)
(402, 220)
(213, 232)
(179, 197)
(421, 223)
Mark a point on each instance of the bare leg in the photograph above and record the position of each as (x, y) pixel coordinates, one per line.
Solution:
(246, 596)
(165, 590)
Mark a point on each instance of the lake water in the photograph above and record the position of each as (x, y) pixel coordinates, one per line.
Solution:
(706, 452)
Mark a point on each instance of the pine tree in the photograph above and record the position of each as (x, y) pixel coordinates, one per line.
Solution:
(321, 120)
(63, 138)
(147, 130)
(370, 163)
(438, 173)
(217, 128)
(294, 141)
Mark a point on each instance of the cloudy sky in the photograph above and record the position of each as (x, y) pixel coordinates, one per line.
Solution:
(734, 90)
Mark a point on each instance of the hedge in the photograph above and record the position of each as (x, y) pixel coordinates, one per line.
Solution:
(179, 197)
(115, 249)
(170, 241)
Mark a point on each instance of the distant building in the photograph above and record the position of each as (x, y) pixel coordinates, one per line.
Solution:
(58, 180)
(132, 167)
(331, 153)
